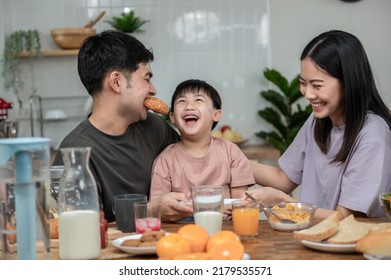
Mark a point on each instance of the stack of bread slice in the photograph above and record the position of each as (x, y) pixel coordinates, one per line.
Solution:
(370, 238)
(376, 243)
(320, 231)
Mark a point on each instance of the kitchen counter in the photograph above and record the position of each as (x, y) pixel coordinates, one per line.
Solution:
(260, 152)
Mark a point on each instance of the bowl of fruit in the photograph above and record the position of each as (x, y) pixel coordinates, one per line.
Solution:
(226, 132)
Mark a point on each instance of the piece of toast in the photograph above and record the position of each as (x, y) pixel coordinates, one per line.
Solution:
(380, 227)
(376, 243)
(321, 230)
(349, 231)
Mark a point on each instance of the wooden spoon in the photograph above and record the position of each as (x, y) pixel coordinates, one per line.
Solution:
(94, 21)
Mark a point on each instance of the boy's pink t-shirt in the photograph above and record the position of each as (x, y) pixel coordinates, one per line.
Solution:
(224, 165)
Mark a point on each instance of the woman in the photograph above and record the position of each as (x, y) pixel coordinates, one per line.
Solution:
(341, 157)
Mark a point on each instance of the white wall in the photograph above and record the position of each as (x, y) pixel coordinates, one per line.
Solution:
(294, 23)
(229, 48)
(223, 42)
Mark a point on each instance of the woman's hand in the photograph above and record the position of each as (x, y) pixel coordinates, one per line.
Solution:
(269, 195)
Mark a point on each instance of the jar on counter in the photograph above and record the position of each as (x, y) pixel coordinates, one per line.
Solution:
(78, 207)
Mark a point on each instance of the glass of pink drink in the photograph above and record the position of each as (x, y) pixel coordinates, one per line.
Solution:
(146, 217)
(147, 224)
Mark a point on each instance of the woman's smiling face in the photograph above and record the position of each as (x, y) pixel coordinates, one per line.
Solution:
(323, 91)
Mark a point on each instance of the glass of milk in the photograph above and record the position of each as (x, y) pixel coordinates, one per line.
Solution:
(208, 205)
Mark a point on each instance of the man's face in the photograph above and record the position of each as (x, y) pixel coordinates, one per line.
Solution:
(136, 90)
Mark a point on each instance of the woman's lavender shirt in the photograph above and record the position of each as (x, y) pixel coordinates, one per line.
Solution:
(357, 182)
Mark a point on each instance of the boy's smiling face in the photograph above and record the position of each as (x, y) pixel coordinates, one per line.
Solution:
(194, 113)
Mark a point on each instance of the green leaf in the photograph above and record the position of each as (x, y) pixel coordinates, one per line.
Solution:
(295, 93)
(287, 122)
(272, 117)
(16, 42)
(298, 118)
(277, 79)
(127, 22)
(292, 134)
(273, 138)
(277, 100)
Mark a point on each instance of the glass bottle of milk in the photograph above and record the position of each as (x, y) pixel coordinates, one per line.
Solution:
(78, 207)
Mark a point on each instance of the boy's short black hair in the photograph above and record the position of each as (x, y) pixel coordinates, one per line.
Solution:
(195, 85)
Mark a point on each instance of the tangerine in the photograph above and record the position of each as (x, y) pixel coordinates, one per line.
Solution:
(220, 237)
(172, 245)
(227, 250)
(196, 235)
(192, 256)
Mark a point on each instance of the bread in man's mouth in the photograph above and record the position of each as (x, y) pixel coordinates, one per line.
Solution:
(157, 105)
(321, 230)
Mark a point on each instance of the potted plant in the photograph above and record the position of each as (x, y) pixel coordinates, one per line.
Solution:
(18, 42)
(127, 22)
(286, 120)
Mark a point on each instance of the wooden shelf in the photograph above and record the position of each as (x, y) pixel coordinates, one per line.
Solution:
(48, 53)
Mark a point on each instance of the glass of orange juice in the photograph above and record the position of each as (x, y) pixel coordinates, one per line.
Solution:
(245, 215)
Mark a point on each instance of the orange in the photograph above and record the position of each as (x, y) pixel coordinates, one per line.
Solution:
(220, 237)
(196, 235)
(227, 250)
(172, 245)
(192, 256)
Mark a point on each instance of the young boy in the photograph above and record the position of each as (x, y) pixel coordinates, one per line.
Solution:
(198, 158)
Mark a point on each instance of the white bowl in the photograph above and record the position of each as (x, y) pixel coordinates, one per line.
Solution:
(301, 213)
(55, 115)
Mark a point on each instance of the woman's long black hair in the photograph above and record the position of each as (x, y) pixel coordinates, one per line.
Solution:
(342, 56)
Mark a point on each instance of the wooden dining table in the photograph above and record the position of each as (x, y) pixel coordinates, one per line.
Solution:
(268, 245)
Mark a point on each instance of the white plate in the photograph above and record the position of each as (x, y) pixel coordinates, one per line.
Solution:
(133, 250)
(246, 257)
(54, 115)
(376, 257)
(228, 202)
(327, 247)
(144, 250)
(55, 119)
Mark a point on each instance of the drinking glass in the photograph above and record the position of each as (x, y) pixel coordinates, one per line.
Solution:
(124, 211)
(146, 217)
(208, 207)
(245, 216)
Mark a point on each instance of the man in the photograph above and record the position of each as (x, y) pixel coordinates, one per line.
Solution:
(125, 138)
